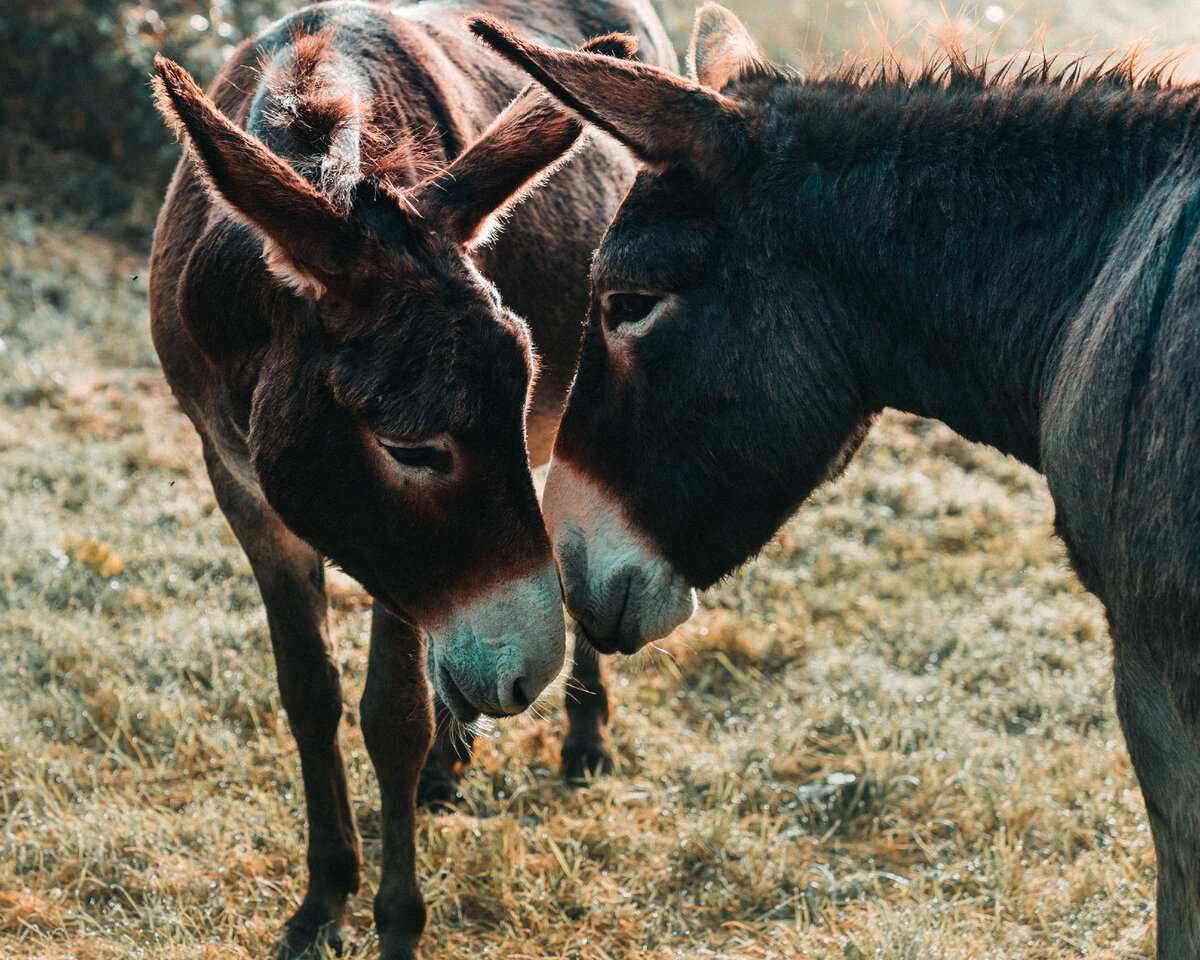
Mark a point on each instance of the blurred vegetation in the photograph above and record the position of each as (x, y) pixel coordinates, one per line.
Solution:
(75, 107)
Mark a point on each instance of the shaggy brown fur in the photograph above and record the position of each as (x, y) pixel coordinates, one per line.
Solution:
(360, 390)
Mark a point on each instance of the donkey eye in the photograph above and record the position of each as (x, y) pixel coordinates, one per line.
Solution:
(626, 309)
(437, 459)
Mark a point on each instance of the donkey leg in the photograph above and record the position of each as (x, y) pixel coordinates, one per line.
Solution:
(585, 751)
(451, 751)
(397, 724)
(291, 579)
(1158, 701)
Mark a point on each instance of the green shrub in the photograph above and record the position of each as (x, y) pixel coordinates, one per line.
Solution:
(75, 109)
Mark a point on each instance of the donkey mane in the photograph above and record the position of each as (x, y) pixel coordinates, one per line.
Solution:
(955, 65)
(315, 112)
(958, 66)
(1121, 107)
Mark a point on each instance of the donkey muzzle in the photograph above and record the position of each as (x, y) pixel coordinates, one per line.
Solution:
(623, 593)
(496, 653)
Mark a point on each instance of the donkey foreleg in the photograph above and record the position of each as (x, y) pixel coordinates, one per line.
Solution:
(585, 750)
(291, 579)
(397, 725)
(1158, 701)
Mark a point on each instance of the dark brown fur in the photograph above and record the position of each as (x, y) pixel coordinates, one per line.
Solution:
(311, 292)
(1016, 253)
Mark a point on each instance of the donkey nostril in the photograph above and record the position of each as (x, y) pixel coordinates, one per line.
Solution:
(520, 697)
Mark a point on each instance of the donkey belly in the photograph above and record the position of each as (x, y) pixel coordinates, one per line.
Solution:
(1121, 435)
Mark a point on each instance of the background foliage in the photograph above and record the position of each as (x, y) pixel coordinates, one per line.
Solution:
(75, 110)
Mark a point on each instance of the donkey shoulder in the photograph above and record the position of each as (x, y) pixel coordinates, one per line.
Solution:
(1121, 435)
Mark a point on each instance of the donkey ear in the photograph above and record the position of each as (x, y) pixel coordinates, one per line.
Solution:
(660, 117)
(309, 242)
(524, 144)
(721, 50)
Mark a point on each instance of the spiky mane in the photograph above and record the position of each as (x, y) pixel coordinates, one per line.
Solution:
(955, 65)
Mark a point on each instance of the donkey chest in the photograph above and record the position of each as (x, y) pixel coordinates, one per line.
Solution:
(227, 435)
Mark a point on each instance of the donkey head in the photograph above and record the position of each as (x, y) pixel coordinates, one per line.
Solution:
(710, 388)
(390, 385)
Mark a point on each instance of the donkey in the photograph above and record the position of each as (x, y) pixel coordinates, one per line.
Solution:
(320, 310)
(1016, 256)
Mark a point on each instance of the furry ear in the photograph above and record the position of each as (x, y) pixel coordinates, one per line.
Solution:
(721, 49)
(308, 241)
(662, 118)
(528, 140)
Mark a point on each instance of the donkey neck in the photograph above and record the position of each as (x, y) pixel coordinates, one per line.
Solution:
(962, 228)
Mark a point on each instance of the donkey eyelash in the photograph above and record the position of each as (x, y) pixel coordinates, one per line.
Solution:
(631, 312)
(628, 307)
(421, 458)
(437, 458)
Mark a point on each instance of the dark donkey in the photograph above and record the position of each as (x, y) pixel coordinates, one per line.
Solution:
(359, 389)
(1017, 257)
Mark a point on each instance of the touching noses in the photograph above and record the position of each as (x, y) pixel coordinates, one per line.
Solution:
(623, 593)
(496, 653)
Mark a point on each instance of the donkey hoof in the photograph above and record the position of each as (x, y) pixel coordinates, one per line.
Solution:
(438, 794)
(584, 763)
(307, 936)
(399, 951)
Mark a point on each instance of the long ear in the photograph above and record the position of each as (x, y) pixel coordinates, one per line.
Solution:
(721, 50)
(661, 117)
(309, 241)
(524, 144)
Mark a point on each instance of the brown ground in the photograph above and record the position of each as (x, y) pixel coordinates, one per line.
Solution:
(891, 736)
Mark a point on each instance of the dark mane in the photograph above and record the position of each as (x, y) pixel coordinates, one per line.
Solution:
(317, 113)
(955, 65)
(1124, 107)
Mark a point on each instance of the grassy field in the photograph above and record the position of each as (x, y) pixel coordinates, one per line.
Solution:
(890, 737)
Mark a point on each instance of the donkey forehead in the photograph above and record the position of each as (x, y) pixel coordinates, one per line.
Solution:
(424, 293)
(446, 368)
(665, 233)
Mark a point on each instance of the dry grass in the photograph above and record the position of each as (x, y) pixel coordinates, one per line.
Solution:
(889, 737)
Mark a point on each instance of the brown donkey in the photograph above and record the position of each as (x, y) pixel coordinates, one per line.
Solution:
(360, 391)
(1016, 256)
